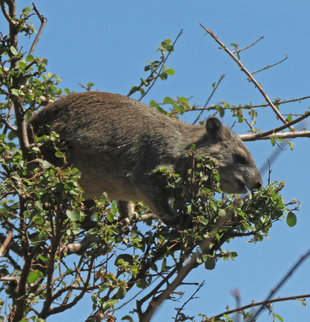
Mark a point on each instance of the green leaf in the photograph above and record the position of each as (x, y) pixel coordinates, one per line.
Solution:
(22, 64)
(164, 264)
(59, 154)
(168, 100)
(74, 215)
(42, 258)
(13, 51)
(170, 71)
(121, 293)
(125, 257)
(29, 59)
(127, 318)
(291, 219)
(33, 276)
(278, 317)
(110, 217)
(153, 103)
(26, 10)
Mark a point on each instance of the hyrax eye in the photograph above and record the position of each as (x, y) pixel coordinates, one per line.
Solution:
(238, 158)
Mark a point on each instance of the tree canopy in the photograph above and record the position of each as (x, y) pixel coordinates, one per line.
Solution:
(50, 262)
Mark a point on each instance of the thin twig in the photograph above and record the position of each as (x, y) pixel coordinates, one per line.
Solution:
(247, 122)
(243, 107)
(248, 306)
(282, 282)
(160, 284)
(77, 298)
(253, 80)
(269, 66)
(162, 66)
(192, 297)
(247, 47)
(7, 126)
(208, 100)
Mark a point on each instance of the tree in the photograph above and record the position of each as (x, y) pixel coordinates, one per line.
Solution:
(50, 262)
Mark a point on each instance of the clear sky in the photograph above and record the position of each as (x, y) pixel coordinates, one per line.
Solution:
(108, 43)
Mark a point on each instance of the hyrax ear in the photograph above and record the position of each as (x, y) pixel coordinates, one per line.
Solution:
(214, 127)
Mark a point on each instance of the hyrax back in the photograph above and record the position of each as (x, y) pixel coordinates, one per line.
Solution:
(118, 143)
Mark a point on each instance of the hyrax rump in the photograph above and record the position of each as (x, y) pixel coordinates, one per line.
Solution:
(117, 143)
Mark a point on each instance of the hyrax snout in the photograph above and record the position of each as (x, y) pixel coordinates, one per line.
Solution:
(118, 143)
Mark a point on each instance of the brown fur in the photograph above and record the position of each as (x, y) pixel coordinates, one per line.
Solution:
(117, 143)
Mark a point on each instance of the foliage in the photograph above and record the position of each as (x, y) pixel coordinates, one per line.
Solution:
(52, 260)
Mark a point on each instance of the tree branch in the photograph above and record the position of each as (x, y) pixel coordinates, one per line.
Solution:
(43, 23)
(248, 306)
(282, 282)
(279, 135)
(208, 100)
(257, 136)
(206, 246)
(253, 80)
(6, 15)
(272, 65)
(249, 46)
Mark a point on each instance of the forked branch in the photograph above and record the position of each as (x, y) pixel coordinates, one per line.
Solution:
(252, 79)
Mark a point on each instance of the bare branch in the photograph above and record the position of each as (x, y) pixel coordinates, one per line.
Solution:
(273, 132)
(245, 307)
(248, 107)
(282, 282)
(208, 100)
(43, 23)
(6, 243)
(247, 47)
(154, 291)
(192, 297)
(276, 102)
(7, 126)
(253, 80)
(279, 135)
(269, 66)
(76, 299)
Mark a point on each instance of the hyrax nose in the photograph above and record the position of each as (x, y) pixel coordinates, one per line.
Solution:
(257, 183)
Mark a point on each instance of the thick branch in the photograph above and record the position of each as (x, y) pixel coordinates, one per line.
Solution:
(6, 15)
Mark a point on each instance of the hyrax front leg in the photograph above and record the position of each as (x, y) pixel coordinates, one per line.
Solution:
(126, 210)
(170, 216)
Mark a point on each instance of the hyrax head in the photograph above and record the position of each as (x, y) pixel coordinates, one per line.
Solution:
(235, 164)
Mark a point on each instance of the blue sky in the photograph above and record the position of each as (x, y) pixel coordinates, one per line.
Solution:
(108, 43)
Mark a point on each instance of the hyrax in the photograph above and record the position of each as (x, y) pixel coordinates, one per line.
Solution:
(117, 143)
